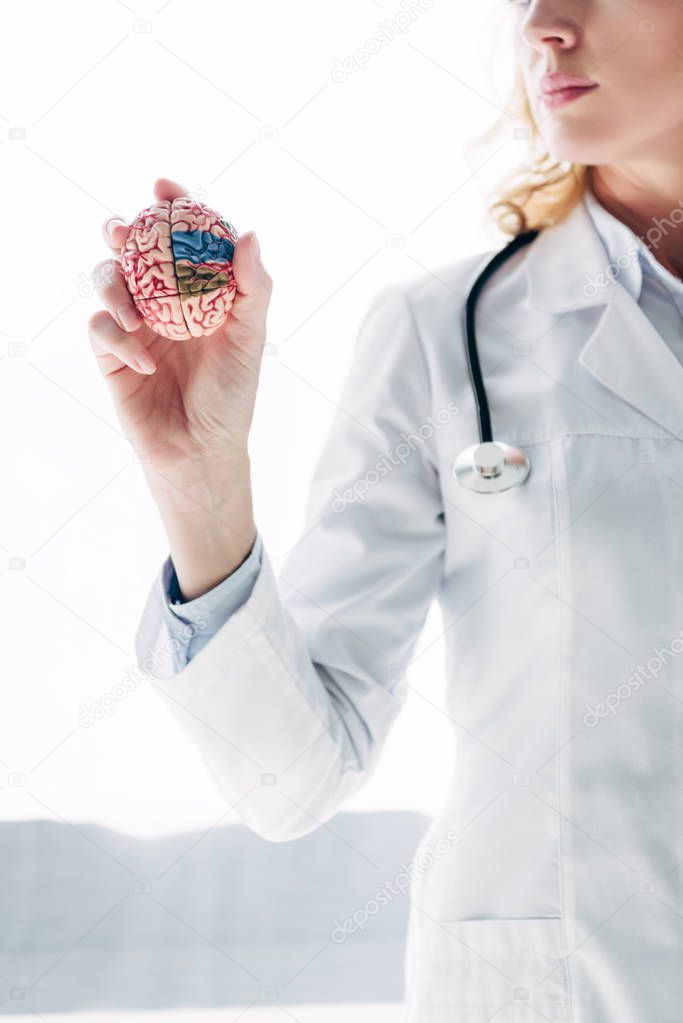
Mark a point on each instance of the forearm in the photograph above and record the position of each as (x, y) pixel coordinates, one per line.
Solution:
(207, 512)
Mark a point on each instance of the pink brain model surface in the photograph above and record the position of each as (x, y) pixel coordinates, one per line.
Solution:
(177, 264)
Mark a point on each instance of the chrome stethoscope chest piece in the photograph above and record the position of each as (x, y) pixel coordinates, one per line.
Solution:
(488, 467)
(491, 467)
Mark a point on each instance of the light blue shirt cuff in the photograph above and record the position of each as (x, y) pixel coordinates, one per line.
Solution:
(199, 619)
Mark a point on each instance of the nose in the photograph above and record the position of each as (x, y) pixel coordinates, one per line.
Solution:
(547, 26)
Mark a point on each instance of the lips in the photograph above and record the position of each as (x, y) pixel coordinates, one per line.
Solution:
(557, 81)
(559, 88)
(553, 100)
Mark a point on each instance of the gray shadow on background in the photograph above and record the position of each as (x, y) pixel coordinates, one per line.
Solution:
(93, 919)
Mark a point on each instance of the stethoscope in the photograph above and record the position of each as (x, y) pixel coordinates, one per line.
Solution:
(488, 467)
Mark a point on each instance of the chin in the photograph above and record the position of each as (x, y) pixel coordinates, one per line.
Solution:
(580, 146)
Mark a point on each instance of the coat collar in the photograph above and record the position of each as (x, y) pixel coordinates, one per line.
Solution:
(566, 272)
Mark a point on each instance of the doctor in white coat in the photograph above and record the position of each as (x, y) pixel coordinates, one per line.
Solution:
(562, 598)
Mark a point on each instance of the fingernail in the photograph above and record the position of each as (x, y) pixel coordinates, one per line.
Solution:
(145, 363)
(258, 247)
(108, 224)
(128, 317)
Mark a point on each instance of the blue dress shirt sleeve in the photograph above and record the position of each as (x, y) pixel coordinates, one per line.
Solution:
(182, 628)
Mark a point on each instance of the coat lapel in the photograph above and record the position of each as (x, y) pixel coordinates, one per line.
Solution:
(624, 351)
(627, 355)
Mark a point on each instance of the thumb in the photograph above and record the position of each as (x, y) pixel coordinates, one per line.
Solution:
(250, 274)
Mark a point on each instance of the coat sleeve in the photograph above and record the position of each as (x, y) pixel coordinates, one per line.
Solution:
(290, 701)
(172, 631)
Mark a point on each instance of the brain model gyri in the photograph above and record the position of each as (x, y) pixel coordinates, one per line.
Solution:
(177, 263)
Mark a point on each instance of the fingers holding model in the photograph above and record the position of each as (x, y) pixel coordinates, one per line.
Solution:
(180, 336)
(179, 341)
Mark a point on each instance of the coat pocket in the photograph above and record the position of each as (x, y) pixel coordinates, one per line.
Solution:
(487, 964)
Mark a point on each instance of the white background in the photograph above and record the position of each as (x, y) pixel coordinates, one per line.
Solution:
(237, 101)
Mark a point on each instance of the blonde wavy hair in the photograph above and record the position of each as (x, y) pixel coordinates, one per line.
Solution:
(542, 192)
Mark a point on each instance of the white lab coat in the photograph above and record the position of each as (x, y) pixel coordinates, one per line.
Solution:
(561, 898)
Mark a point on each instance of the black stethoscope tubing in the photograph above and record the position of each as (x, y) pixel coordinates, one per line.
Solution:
(473, 364)
(488, 467)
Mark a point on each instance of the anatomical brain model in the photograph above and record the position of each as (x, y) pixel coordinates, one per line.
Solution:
(177, 263)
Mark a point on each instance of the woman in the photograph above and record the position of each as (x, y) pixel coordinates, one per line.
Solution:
(561, 897)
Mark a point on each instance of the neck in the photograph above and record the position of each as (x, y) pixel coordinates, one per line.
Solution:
(653, 211)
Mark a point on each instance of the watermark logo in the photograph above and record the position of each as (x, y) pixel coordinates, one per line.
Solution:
(134, 676)
(659, 230)
(388, 30)
(399, 884)
(102, 275)
(390, 460)
(637, 678)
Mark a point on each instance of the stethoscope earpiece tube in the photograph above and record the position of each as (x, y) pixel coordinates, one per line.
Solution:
(490, 466)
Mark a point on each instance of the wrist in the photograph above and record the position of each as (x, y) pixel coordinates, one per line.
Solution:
(210, 484)
(202, 562)
(207, 511)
